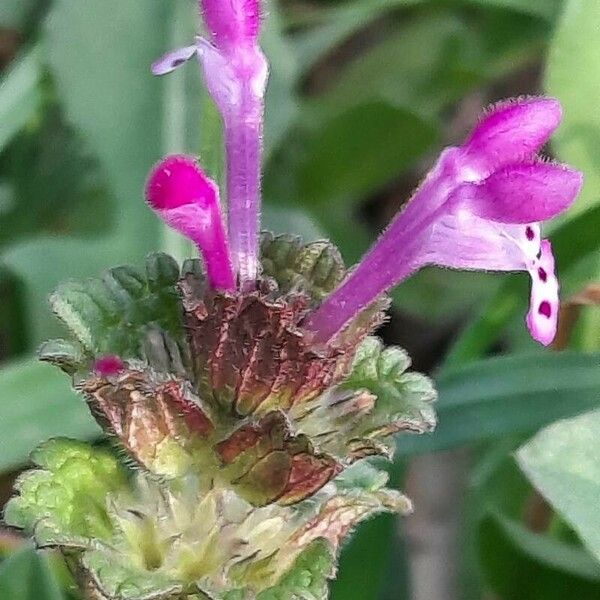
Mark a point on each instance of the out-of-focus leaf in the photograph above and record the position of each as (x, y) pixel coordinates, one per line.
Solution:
(572, 241)
(563, 462)
(14, 12)
(338, 23)
(37, 404)
(573, 76)
(360, 151)
(19, 95)
(523, 553)
(545, 9)
(420, 81)
(514, 394)
(280, 101)
(41, 264)
(522, 565)
(334, 25)
(361, 579)
(26, 575)
(459, 57)
(56, 185)
(385, 575)
(286, 219)
(13, 328)
(100, 57)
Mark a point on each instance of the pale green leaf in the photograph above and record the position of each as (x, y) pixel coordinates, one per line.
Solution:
(308, 578)
(37, 404)
(573, 76)
(13, 13)
(20, 95)
(563, 462)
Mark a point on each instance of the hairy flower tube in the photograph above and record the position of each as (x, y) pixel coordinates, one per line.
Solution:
(235, 72)
(479, 208)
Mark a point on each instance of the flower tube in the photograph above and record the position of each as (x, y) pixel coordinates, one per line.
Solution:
(236, 73)
(479, 208)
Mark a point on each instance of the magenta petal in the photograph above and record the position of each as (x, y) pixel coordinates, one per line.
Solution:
(178, 181)
(542, 319)
(172, 60)
(188, 201)
(523, 193)
(232, 22)
(513, 131)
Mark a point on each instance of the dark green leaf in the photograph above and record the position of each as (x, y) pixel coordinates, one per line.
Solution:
(513, 394)
(362, 150)
(26, 575)
(423, 82)
(522, 565)
(316, 267)
(334, 25)
(57, 186)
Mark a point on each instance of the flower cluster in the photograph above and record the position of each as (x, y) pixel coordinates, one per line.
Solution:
(246, 389)
(480, 207)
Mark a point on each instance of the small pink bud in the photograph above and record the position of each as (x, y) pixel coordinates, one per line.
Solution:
(109, 366)
(187, 200)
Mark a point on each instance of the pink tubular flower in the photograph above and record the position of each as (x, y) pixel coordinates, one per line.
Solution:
(236, 72)
(479, 208)
(188, 201)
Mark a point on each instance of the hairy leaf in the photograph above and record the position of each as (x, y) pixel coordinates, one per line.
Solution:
(64, 501)
(316, 268)
(116, 314)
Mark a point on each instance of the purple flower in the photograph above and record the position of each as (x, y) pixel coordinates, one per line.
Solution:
(236, 73)
(188, 201)
(479, 208)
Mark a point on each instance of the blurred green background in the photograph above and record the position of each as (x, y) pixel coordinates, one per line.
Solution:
(363, 96)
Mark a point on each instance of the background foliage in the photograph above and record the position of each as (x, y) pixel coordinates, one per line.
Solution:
(363, 95)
